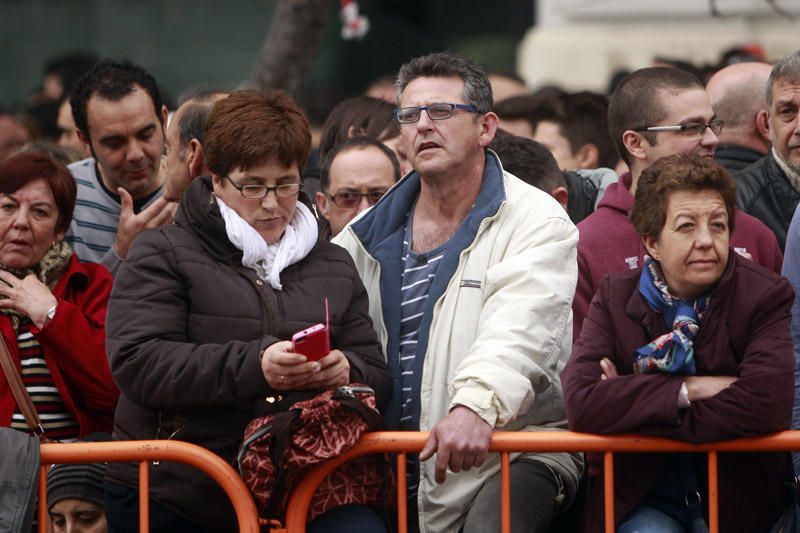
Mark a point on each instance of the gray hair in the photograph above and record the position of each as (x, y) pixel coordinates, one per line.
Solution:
(477, 89)
(787, 69)
(192, 122)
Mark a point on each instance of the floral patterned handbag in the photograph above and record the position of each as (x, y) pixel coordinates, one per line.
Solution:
(278, 449)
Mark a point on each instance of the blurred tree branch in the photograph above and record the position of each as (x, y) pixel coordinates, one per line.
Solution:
(290, 46)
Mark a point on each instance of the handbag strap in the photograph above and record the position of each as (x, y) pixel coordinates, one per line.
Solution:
(19, 391)
(371, 416)
(280, 441)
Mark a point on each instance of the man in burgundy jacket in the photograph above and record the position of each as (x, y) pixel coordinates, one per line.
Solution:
(654, 112)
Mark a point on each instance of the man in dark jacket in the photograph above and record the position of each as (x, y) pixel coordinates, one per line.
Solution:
(738, 96)
(769, 189)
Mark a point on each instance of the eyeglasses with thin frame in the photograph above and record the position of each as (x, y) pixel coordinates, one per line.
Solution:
(350, 199)
(693, 129)
(436, 111)
(253, 192)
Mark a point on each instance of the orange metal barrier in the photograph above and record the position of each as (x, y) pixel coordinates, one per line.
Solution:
(402, 442)
(143, 452)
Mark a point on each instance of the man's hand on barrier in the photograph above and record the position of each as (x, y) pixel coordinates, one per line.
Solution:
(460, 440)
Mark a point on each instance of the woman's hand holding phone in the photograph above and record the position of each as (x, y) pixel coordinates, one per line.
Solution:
(335, 372)
(286, 370)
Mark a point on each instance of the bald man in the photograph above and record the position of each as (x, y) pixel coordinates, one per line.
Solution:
(738, 96)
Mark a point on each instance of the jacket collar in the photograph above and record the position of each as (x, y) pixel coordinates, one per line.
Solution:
(199, 214)
(389, 214)
(638, 309)
(734, 152)
(74, 275)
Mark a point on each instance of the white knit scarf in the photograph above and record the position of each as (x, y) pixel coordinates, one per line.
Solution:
(268, 260)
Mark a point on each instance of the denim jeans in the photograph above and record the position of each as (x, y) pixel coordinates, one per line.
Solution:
(646, 519)
(356, 518)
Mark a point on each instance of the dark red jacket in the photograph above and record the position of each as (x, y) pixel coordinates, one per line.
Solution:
(745, 333)
(74, 346)
(608, 243)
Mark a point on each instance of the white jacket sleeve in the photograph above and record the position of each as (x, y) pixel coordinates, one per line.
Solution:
(520, 345)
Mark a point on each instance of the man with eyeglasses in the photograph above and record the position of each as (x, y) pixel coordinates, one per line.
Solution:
(353, 177)
(654, 112)
(470, 273)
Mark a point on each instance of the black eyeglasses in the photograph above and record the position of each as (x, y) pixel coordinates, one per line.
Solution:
(286, 190)
(693, 129)
(349, 199)
(437, 111)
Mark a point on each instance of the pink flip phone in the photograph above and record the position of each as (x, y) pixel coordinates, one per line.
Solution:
(314, 342)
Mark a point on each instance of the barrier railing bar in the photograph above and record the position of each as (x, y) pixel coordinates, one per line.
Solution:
(713, 495)
(42, 511)
(402, 498)
(608, 491)
(505, 493)
(144, 497)
(162, 450)
(527, 442)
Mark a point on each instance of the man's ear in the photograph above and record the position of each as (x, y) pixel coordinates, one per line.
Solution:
(84, 139)
(194, 158)
(561, 194)
(635, 144)
(588, 156)
(322, 204)
(164, 117)
(762, 126)
(488, 125)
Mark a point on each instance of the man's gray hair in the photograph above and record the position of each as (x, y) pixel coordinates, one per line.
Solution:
(787, 69)
(477, 89)
(192, 122)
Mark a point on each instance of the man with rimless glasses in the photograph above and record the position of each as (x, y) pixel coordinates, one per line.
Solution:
(653, 113)
(470, 274)
(353, 177)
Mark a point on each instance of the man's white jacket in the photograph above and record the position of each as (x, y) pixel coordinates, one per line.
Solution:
(498, 328)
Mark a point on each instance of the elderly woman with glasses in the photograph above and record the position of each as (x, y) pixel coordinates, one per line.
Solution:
(202, 311)
(694, 346)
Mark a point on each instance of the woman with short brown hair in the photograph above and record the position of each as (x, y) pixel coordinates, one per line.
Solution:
(203, 310)
(694, 346)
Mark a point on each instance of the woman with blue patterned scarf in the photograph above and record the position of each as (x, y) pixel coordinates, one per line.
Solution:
(693, 346)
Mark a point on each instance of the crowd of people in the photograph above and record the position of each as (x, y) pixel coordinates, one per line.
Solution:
(548, 261)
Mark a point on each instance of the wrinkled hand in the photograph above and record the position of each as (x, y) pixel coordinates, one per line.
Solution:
(28, 296)
(335, 372)
(609, 369)
(131, 224)
(704, 387)
(460, 440)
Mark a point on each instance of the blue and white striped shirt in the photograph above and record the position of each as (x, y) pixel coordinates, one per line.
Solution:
(419, 270)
